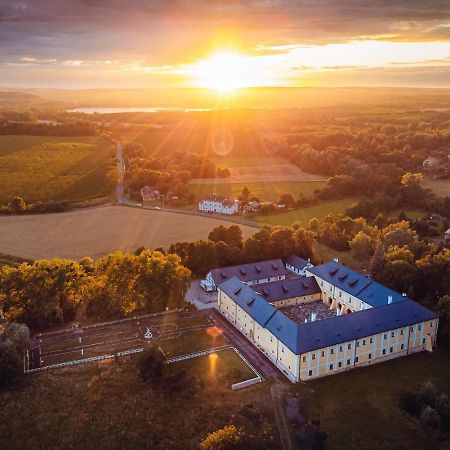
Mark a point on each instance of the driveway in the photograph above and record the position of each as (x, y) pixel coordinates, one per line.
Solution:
(199, 297)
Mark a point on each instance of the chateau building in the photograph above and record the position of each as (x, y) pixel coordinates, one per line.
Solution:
(331, 320)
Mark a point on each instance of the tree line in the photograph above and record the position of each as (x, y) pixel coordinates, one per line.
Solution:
(57, 291)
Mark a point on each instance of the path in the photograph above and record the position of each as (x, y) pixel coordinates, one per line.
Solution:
(279, 404)
(120, 170)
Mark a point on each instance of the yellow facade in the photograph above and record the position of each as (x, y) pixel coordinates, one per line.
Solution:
(333, 359)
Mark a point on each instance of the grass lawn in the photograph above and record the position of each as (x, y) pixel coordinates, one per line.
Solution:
(439, 187)
(54, 168)
(265, 191)
(325, 253)
(106, 406)
(217, 367)
(359, 409)
(304, 215)
(410, 213)
(193, 341)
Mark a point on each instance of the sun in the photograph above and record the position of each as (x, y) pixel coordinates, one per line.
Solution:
(225, 71)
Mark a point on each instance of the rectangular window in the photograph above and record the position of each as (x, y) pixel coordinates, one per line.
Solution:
(331, 366)
(304, 359)
(402, 346)
(393, 334)
(423, 341)
(364, 342)
(431, 324)
(313, 356)
(348, 362)
(332, 351)
(349, 346)
(385, 336)
(411, 329)
(282, 349)
(323, 353)
(384, 351)
(356, 359)
(310, 373)
(271, 339)
(340, 364)
(340, 348)
(357, 343)
(371, 340)
(391, 349)
(370, 355)
(402, 332)
(420, 327)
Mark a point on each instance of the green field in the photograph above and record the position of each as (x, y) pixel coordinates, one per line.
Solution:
(439, 187)
(304, 215)
(224, 366)
(269, 191)
(359, 409)
(54, 168)
(193, 341)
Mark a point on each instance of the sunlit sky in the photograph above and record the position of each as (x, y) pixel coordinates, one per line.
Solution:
(224, 44)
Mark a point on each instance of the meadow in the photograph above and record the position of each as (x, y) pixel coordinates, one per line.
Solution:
(359, 409)
(106, 405)
(304, 215)
(438, 187)
(41, 168)
(265, 191)
(98, 231)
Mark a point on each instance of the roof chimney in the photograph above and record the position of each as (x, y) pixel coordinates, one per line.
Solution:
(404, 294)
(389, 299)
(313, 317)
(336, 260)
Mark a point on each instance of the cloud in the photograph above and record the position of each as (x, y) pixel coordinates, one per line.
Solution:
(158, 34)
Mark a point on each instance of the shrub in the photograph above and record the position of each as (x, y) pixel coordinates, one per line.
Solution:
(430, 418)
(10, 364)
(151, 364)
(427, 394)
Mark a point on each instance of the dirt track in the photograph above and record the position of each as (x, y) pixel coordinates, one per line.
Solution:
(98, 231)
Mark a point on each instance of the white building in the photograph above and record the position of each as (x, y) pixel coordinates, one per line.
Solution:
(221, 204)
(298, 265)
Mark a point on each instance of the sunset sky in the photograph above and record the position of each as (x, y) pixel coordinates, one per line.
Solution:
(170, 43)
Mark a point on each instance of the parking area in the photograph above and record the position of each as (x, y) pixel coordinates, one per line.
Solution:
(197, 296)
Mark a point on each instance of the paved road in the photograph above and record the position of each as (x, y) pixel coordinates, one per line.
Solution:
(120, 170)
(259, 361)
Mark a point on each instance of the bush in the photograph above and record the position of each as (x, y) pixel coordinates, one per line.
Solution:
(151, 364)
(10, 364)
(427, 394)
(430, 418)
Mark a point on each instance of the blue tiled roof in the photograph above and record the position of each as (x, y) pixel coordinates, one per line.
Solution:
(251, 302)
(297, 262)
(375, 294)
(361, 287)
(249, 272)
(342, 277)
(323, 333)
(304, 337)
(281, 290)
(284, 329)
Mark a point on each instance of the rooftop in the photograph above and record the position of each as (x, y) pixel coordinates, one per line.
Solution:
(281, 290)
(297, 262)
(355, 284)
(248, 272)
(226, 201)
